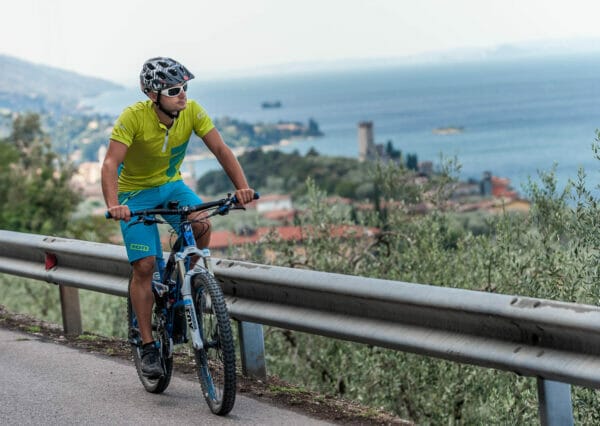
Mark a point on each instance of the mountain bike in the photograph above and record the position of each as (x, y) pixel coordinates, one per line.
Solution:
(189, 303)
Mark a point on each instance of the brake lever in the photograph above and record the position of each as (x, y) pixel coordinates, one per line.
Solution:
(147, 220)
(224, 209)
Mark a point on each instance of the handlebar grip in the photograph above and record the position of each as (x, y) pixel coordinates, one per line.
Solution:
(235, 200)
(107, 215)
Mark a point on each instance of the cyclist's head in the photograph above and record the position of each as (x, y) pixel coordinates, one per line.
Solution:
(161, 73)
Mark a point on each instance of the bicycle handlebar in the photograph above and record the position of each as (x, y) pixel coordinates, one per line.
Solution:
(223, 206)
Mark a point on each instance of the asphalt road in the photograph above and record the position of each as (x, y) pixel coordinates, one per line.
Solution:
(44, 383)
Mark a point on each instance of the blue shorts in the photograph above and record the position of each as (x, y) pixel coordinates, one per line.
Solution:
(144, 240)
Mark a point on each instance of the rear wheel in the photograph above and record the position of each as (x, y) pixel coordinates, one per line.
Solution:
(161, 336)
(216, 361)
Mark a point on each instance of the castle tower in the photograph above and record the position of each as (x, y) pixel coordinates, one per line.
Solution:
(366, 146)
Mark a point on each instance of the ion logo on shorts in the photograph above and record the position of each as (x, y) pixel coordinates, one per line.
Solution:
(139, 247)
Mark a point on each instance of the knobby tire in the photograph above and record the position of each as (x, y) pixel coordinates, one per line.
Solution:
(216, 361)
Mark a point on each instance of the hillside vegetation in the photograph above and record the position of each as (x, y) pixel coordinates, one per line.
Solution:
(278, 172)
(550, 252)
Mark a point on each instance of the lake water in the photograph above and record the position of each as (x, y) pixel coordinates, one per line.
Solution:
(518, 117)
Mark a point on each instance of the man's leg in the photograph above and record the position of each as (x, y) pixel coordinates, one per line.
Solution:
(142, 302)
(142, 299)
(143, 245)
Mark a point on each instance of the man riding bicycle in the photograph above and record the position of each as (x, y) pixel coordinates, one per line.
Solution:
(141, 170)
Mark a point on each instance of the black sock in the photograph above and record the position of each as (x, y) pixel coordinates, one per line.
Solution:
(149, 345)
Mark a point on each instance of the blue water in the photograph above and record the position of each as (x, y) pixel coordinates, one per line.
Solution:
(518, 117)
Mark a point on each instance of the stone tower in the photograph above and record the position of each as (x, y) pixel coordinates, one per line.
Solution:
(366, 146)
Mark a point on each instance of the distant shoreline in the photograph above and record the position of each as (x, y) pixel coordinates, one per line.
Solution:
(241, 150)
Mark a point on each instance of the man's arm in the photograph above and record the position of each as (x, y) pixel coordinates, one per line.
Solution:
(114, 157)
(230, 164)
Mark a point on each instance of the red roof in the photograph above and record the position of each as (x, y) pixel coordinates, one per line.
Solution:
(279, 215)
(224, 239)
(501, 188)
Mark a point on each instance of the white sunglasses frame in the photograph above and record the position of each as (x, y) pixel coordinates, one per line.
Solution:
(165, 92)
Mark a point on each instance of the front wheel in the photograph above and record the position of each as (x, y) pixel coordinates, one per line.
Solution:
(216, 360)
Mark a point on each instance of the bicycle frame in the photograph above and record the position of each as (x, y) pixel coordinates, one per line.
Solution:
(186, 251)
(183, 258)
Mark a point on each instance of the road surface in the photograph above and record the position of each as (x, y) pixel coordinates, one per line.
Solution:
(44, 383)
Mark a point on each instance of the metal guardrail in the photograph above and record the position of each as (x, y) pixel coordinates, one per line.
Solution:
(555, 341)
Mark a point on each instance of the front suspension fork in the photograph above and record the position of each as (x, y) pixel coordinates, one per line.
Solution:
(203, 265)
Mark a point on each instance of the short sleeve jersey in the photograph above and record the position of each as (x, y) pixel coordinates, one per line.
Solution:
(155, 153)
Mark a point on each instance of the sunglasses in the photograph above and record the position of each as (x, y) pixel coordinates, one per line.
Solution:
(174, 91)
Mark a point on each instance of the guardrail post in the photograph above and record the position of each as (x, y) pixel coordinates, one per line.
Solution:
(252, 349)
(71, 313)
(555, 404)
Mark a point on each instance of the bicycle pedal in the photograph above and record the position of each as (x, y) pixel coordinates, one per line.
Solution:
(134, 337)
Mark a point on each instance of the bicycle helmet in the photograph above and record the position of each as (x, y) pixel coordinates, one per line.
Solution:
(160, 73)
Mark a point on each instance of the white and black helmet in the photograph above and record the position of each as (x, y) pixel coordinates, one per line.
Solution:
(160, 73)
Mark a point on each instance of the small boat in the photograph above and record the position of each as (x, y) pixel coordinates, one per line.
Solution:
(271, 104)
(450, 130)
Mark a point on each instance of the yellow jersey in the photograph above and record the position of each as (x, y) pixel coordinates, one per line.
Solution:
(155, 153)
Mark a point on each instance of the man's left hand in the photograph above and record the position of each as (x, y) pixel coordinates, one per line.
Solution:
(244, 196)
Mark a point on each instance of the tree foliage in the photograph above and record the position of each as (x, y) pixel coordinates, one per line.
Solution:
(36, 196)
(278, 172)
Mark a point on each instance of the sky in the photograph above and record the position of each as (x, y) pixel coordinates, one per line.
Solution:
(111, 39)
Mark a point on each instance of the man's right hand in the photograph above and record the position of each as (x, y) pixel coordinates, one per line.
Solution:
(119, 212)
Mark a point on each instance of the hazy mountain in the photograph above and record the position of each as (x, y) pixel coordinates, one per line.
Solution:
(33, 87)
(502, 52)
(516, 51)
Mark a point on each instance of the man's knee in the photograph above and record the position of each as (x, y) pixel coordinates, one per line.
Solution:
(144, 266)
(201, 228)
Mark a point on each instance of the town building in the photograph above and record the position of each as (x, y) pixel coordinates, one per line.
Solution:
(274, 202)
